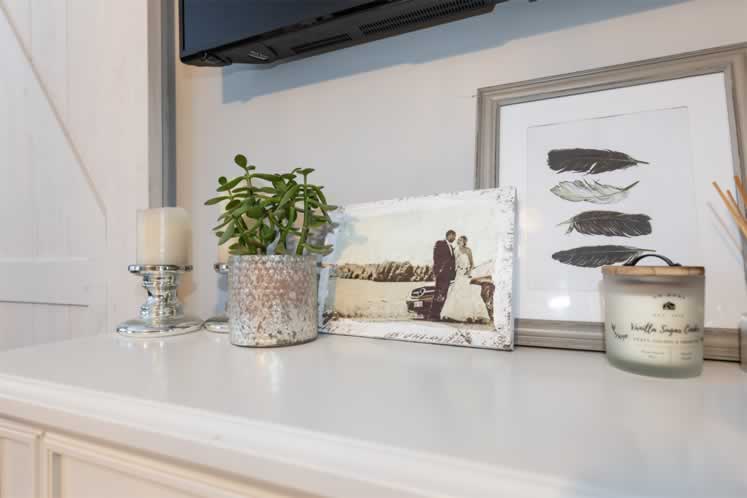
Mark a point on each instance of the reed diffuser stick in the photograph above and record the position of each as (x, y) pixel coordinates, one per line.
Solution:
(741, 190)
(739, 218)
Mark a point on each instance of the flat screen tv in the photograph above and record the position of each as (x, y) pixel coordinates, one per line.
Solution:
(222, 32)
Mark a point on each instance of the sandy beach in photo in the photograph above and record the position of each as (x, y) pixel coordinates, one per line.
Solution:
(373, 300)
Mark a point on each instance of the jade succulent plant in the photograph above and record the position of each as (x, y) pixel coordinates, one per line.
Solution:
(268, 213)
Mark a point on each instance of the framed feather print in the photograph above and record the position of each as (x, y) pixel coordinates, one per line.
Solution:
(613, 163)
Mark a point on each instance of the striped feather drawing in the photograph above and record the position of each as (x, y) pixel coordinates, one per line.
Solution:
(589, 161)
(610, 224)
(596, 256)
(591, 191)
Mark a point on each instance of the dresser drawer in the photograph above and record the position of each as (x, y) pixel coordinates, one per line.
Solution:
(73, 468)
(19, 458)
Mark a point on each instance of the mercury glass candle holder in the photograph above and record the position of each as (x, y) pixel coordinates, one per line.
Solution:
(162, 314)
(218, 324)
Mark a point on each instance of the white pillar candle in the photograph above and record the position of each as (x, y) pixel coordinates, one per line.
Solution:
(163, 236)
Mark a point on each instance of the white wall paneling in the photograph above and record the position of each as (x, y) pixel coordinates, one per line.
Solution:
(74, 145)
(19, 14)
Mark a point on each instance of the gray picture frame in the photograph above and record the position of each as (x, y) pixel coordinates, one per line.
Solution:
(731, 60)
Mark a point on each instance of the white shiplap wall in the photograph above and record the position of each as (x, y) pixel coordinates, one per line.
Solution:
(73, 165)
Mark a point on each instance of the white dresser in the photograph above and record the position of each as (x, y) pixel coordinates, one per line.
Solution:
(192, 416)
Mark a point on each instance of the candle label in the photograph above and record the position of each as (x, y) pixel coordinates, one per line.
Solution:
(663, 329)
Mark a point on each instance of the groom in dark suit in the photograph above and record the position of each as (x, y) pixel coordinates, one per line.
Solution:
(444, 271)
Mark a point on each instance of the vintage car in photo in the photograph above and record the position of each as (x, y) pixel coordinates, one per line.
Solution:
(421, 298)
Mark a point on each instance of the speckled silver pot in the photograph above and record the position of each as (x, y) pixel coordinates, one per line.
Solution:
(272, 300)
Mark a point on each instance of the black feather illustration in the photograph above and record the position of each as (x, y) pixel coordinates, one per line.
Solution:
(596, 256)
(609, 223)
(589, 161)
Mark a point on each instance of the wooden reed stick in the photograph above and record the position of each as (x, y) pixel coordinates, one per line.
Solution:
(740, 186)
(733, 202)
(733, 209)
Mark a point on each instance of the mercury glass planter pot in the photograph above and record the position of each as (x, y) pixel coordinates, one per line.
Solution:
(272, 300)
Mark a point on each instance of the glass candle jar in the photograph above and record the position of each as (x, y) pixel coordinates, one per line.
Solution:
(654, 318)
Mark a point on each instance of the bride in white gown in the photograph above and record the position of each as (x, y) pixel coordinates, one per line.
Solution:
(463, 302)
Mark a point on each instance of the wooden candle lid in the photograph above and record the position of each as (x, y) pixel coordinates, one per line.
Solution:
(629, 269)
(654, 271)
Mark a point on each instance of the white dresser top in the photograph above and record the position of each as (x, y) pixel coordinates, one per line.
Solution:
(361, 417)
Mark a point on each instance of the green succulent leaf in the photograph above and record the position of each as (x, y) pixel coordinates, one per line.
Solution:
(229, 185)
(254, 243)
(255, 212)
(243, 208)
(288, 196)
(268, 202)
(218, 227)
(227, 234)
(319, 194)
(240, 160)
(216, 200)
(318, 222)
(318, 249)
(267, 233)
(232, 204)
(252, 251)
(266, 176)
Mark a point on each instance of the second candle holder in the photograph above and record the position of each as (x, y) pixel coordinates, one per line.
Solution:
(218, 324)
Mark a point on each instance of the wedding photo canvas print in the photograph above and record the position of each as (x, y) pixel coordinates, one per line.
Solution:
(432, 269)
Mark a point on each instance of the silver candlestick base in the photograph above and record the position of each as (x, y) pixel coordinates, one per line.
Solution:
(218, 324)
(161, 315)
